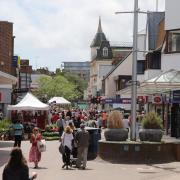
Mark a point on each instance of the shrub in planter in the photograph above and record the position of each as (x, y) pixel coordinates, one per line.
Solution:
(152, 128)
(51, 128)
(5, 124)
(50, 134)
(5, 129)
(115, 128)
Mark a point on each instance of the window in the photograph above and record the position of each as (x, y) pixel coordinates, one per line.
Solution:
(105, 52)
(140, 67)
(173, 40)
(122, 82)
(153, 60)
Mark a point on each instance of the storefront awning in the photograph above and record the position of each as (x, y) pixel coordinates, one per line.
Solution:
(165, 82)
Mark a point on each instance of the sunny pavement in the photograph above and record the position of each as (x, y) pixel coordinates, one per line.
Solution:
(50, 168)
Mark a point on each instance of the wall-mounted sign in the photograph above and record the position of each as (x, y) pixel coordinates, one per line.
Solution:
(157, 99)
(116, 101)
(142, 99)
(176, 96)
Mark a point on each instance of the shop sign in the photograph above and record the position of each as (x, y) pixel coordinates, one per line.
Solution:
(14, 61)
(142, 99)
(157, 99)
(176, 96)
(116, 101)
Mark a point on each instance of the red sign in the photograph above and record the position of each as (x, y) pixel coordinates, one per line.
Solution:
(157, 100)
(142, 99)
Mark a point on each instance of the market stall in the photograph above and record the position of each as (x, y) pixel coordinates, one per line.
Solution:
(31, 109)
(59, 101)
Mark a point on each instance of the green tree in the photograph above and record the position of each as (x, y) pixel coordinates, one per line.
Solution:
(57, 86)
(80, 83)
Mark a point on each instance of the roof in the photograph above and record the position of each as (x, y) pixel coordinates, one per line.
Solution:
(29, 102)
(116, 44)
(7, 78)
(99, 37)
(116, 66)
(59, 100)
(153, 20)
(165, 82)
(171, 76)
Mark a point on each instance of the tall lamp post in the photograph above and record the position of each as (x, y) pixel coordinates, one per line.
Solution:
(134, 70)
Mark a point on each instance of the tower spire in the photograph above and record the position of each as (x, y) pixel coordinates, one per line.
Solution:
(99, 26)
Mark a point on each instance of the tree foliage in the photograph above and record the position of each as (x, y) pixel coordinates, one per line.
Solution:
(81, 84)
(57, 86)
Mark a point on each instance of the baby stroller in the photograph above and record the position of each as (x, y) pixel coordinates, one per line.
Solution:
(73, 157)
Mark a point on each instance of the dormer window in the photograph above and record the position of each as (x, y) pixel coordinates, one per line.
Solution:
(105, 52)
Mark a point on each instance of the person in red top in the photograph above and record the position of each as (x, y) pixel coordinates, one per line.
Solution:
(34, 154)
(104, 119)
(55, 117)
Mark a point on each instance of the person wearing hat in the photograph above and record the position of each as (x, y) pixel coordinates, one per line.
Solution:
(82, 139)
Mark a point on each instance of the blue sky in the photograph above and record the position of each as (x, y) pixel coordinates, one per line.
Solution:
(49, 32)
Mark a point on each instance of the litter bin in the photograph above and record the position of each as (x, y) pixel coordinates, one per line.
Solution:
(95, 136)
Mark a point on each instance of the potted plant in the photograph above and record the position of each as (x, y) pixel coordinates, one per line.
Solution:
(115, 128)
(152, 128)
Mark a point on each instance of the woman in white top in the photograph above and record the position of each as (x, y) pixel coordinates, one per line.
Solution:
(66, 140)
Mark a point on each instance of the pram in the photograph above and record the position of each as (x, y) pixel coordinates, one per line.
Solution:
(73, 157)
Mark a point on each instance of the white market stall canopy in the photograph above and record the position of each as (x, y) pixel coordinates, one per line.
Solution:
(165, 82)
(59, 100)
(29, 102)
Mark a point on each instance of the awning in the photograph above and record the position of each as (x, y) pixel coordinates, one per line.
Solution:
(59, 100)
(29, 102)
(165, 82)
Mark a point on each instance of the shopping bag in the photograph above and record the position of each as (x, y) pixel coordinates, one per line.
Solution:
(41, 145)
(61, 149)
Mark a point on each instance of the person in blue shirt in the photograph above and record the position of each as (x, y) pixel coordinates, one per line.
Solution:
(18, 133)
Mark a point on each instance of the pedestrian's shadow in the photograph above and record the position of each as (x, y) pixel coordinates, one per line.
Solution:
(69, 169)
(39, 168)
(73, 168)
(87, 169)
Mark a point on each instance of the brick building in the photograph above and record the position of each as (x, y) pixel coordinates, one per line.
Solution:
(6, 47)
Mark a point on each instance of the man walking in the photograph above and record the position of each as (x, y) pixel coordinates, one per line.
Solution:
(82, 139)
(18, 133)
(60, 125)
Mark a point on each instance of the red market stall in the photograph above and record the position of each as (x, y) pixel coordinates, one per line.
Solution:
(32, 110)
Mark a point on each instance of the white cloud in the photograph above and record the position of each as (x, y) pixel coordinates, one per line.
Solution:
(62, 30)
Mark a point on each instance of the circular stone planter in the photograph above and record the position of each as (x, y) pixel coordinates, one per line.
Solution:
(153, 135)
(116, 134)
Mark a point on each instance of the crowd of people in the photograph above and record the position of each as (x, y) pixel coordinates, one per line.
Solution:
(92, 118)
(72, 135)
(67, 121)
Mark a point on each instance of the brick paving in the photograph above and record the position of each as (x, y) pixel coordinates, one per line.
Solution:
(50, 167)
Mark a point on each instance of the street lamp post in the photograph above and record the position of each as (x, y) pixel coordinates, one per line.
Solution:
(134, 73)
(134, 69)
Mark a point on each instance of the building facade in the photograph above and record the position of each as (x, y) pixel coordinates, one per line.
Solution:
(25, 71)
(6, 47)
(104, 57)
(81, 69)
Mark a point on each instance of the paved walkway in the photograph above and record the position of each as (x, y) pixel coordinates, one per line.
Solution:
(50, 168)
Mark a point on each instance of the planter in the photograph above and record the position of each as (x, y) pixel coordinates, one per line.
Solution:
(116, 134)
(153, 135)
